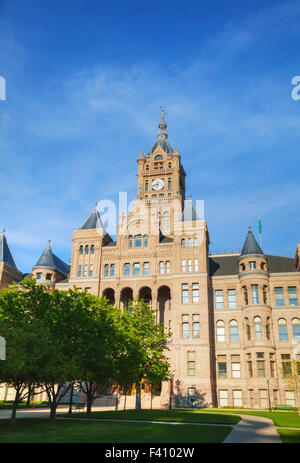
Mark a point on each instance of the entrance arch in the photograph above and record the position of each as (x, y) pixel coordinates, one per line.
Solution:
(126, 297)
(109, 293)
(164, 301)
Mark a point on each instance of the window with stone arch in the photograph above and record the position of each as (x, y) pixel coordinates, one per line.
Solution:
(258, 328)
(234, 331)
(220, 331)
(183, 243)
(158, 158)
(282, 330)
(296, 329)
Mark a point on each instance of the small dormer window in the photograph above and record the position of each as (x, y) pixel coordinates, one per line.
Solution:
(253, 265)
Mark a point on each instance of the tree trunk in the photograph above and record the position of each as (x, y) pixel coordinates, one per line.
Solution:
(138, 396)
(89, 402)
(28, 398)
(71, 400)
(53, 407)
(125, 401)
(14, 414)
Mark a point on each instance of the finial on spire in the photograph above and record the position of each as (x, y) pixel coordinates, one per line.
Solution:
(162, 113)
(249, 227)
(3, 231)
(96, 204)
(190, 197)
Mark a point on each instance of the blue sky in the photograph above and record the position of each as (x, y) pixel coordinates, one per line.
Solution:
(85, 80)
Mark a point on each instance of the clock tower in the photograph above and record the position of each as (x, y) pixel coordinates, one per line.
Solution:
(161, 176)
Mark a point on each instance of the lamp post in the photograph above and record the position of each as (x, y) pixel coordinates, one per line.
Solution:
(268, 380)
(171, 390)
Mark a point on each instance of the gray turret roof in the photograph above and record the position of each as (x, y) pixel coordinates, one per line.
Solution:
(251, 246)
(162, 138)
(93, 221)
(189, 213)
(5, 254)
(51, 261)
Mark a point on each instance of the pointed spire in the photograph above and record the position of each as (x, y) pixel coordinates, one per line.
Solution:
(251, 246)
(141, 156)
(5, 254)
(162, 136)
(51, 261)
(94, 220)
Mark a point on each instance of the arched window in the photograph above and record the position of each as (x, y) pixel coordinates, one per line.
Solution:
(282, 330)
(86, 249)
(130, 241)
(145, 241)
(220, 331)
(195, 242)
(158, 157)
(138, 241)
(183, 243)
(234, 331)
(92, 249)
(258, 328)
(296, 329)
(189, 242)
(81, 250)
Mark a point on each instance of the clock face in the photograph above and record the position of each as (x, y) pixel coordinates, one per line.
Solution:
(158, 184)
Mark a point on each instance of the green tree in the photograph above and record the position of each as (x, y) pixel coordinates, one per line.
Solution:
(148, 345)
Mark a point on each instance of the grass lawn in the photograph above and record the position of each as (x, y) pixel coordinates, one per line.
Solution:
(63, 431)
(284, 419)
(187, 416)
(289, 436)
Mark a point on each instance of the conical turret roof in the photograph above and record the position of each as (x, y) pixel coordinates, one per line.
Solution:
(5, 254)
(51, 261)
(93, 221)
(251, 246)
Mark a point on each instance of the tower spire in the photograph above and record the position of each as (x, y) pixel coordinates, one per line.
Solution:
(162, 133)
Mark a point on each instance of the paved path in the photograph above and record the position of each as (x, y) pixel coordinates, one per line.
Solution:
(253, 429)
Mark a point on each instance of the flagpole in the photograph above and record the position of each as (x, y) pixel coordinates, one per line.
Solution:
(259, 228)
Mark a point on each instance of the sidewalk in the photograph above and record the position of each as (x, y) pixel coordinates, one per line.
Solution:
(254, 430)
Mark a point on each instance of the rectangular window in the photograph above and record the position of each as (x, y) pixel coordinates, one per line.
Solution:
(254, 290)
(138, 241)
(161, 268)
(290, 398)
(236, 370)
(219, 299)
(191, 363)
(253, 265)
(196, 326)
(234, 332)
(195, 292)
(184, 293)
(106, 270)
(112, 270)
(85, 270)
(222, 370)
(275, 395)
(146, 185)
(126, 270)
(79, 271)
(39, 275)
(168, 267)
(237, 398)
(169, 184)
(183, 267)
(250, 370)
(196, 266)
(223, 398)
(231, 293)
(146, 268)
(136, 269)
(279, 298)
(263, 398)
(286, 365)
(91, 270)
(185, 330)
(261, 370)
(190, 266)
(293, 299)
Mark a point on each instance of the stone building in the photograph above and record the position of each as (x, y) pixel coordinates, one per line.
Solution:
(234, 318)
